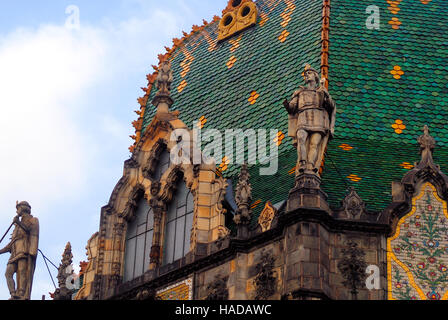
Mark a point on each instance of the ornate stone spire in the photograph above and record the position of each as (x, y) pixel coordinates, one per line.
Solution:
(163, 100)
(243, 197)
(65, 271)
(427, 146)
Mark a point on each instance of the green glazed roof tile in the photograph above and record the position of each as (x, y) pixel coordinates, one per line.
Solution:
(368, 97)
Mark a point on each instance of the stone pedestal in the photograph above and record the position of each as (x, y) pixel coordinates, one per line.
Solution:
(307, 194)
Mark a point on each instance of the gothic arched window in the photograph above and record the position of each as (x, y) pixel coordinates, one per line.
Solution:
(139, 241)
(179, 221)
(162, 165)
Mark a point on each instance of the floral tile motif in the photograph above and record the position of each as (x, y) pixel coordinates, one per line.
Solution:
(418, 252)
(177, 292)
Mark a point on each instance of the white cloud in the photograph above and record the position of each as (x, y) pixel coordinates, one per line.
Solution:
(43, 74)
(49, 149)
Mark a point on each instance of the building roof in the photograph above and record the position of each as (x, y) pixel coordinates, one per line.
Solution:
(387, 84)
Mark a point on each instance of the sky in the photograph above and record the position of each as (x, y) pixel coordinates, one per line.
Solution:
(68, 92)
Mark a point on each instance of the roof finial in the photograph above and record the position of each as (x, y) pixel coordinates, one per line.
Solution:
(65, 271)
(163, 100)
(427, 145)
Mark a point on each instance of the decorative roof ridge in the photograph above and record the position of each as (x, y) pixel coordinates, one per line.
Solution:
(424, 171)
(151, 77)
(426, 168)
(325, 39)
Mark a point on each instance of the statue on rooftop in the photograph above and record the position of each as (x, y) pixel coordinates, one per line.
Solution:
(312, 115)
(23, 248)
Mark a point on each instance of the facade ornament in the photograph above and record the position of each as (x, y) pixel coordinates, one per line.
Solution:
(265, 281)
(424, 171)
(162, 99)
(353, 268)
(427, 146)
(312, 117)
(65, 274)
(243, 197)
(217, 290)
(266, 217)
(237, 16)
(23, 248)
(353, 206)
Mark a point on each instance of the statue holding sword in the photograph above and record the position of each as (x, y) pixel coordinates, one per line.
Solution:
(23, 248)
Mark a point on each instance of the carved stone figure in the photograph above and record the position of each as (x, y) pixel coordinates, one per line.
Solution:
(312, 115)
(23, 248)
(243, 197)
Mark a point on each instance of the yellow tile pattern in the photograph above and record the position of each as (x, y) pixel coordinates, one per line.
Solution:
(279, 139)
(253, 97)
(231, 62)
(407, 165)
(182, 86)
(201, 123)
(179, 292)
(346, 147)
(255, 204)
(399, 126)
(354, 178)
(224, 164)
(282, 37)
(397, 72)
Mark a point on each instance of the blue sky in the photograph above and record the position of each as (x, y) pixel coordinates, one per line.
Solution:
(67, 102)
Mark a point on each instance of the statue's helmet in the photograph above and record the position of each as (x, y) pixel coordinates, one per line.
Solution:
(308, 68)
(23, 204)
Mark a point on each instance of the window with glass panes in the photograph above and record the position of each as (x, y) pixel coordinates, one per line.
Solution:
(139, 241)
(179, 222)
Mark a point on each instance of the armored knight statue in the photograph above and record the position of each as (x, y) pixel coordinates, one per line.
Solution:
(23, 248)
(312, 115)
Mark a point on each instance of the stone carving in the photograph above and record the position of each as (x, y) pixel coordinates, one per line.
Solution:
(265, 281)
(353, 206)
(312, 116)
(23, 248)
(217, 290)
(243, 197)
(353, 268)
(65, 272)
(266, 217)
(162, 99)
(427, 145)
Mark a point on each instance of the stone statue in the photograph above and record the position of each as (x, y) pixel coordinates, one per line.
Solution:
(312, 115)
(23, 248)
